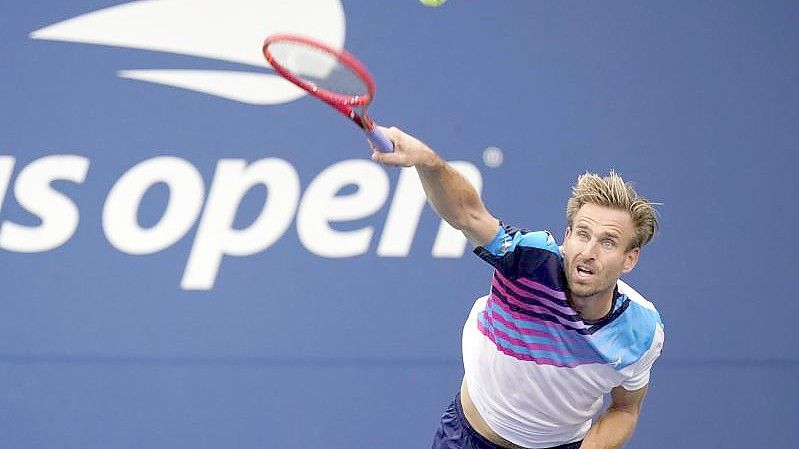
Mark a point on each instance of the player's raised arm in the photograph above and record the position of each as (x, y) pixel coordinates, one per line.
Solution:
(450, 194)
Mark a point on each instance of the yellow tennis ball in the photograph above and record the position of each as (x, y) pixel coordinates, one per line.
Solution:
(433, 3)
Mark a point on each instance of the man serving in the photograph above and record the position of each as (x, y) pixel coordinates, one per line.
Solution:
(559, 329)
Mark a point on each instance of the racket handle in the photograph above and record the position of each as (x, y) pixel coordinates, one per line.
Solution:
(380, 141)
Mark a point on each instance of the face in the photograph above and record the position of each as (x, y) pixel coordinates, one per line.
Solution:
(595, 250)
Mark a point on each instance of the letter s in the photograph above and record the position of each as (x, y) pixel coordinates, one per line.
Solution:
(58, 213)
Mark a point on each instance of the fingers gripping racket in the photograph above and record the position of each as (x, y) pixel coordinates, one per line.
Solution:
(333, 76)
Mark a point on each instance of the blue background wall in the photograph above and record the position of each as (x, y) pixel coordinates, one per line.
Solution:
(695, 101)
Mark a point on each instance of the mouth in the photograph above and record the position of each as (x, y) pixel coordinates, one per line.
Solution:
(583, 271)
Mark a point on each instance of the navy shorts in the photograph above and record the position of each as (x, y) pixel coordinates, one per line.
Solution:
(454, 432)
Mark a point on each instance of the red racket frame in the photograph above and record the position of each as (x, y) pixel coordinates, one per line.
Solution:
(343, 103)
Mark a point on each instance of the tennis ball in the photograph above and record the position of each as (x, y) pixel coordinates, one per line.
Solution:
(432, 3)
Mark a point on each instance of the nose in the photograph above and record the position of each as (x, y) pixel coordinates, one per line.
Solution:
(588, 251)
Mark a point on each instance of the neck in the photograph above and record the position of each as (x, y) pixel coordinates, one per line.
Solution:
(592, 308)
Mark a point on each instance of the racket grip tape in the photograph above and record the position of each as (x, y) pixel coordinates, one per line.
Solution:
(380, 141)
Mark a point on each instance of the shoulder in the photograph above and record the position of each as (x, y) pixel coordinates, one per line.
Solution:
(518, 253)
(510, 238)
(644, 311)
(635, 336)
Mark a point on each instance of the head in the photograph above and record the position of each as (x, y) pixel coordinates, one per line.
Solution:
(608, 223)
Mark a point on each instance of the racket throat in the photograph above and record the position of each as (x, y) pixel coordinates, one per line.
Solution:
(364, 122)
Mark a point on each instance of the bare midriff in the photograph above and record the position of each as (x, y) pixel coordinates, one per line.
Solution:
(478, 423)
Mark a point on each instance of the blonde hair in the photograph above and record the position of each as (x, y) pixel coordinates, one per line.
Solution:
(612, 191)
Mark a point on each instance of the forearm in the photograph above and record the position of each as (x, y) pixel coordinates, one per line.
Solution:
(448, 191)
(456, 200)
(450, 194)
(612, 430)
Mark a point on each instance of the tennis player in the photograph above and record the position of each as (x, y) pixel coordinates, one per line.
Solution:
(559, 329)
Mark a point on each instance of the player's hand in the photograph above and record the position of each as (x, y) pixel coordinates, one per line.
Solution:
(408, 150)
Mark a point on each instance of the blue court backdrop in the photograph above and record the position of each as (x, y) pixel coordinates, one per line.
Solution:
(192, 254)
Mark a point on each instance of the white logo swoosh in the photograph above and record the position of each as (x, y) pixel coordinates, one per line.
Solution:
(225, 30)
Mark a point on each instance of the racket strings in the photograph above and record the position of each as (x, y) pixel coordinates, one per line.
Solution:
(319, 69)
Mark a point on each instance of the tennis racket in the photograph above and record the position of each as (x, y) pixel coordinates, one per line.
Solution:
(333, 76)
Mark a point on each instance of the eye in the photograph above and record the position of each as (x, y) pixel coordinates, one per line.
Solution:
(608, 244)
(582, 235)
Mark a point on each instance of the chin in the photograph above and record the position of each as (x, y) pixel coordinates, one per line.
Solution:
(583, 293)
(581, 290)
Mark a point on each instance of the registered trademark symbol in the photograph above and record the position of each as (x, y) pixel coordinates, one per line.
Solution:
(492, 157)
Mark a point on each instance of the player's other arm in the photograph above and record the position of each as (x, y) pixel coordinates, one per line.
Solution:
(450, 194)
(617, 424)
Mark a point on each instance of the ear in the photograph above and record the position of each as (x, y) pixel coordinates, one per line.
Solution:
(631, 259)
(568, 233)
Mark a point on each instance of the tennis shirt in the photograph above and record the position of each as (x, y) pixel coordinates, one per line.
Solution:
(536, 372)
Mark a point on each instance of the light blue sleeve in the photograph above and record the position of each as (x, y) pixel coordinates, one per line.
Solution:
(507, 239)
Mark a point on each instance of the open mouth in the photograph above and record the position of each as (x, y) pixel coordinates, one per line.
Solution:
(584, 271)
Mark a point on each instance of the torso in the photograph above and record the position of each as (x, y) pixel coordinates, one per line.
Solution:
(536, 371)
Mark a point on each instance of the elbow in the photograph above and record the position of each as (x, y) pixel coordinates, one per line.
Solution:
(476, 226)
(462, 221)
(629, 414)
(459, 223)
